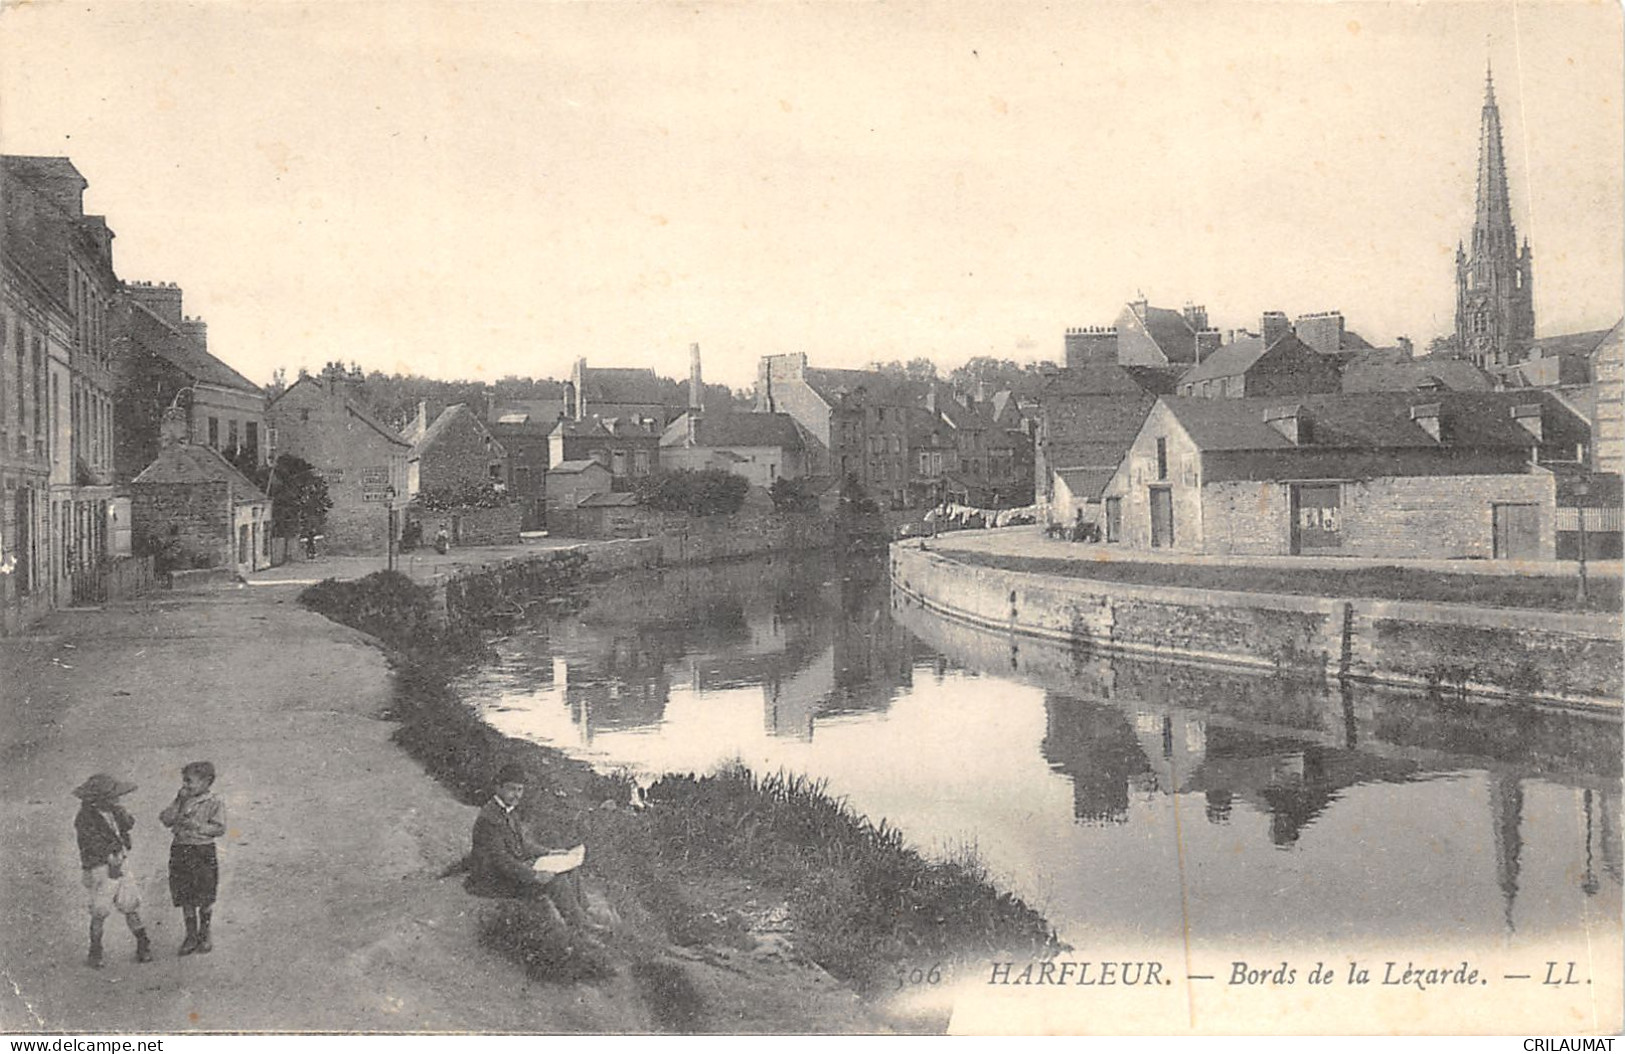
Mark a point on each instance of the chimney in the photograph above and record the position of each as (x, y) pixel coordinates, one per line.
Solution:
(570, 401)
(1207, 342)
(1139, 306)
(696, 390)
(1290, 421)
(1195, 316)
(198, 330)
(1322, 331)
(693, 418)
(1427, 416)
(1406, 348)
(161, 298)
(1273, 326)
(931, 399)
(1529, 416)
(422, 424)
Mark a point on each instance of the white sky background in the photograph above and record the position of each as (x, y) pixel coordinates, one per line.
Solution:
(473, 190)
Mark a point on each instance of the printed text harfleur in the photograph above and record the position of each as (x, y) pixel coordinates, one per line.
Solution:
(1420, 976)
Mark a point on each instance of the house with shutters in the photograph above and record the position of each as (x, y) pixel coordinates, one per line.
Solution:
(1440, 475)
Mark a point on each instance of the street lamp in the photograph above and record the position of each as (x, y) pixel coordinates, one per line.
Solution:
(390, 529)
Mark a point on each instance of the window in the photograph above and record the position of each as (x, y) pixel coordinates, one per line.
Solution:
(253, 441)
(214, 432)
(231, 440)
(1162, 458)
(304, 416)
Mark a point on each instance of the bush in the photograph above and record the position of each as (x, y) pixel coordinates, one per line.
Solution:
(479, 494)
(707, 492)
(792, 495)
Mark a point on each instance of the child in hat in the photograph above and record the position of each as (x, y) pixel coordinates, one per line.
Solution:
(103, 827)
(197, 817)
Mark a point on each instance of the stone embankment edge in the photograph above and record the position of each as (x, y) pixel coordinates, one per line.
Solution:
(1089, 613)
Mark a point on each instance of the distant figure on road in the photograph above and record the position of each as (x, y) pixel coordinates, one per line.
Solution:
(103, 827)
(442, 541)
(197, 817)
(310, 545)
(500, 864)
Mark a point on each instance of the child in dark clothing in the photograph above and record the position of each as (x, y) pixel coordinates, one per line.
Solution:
(103, 827)
(197, 817)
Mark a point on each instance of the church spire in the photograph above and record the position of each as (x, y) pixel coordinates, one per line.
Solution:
(1494, 219)
(1495, 313)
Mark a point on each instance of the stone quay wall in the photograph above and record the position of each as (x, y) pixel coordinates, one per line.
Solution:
(1549, 657)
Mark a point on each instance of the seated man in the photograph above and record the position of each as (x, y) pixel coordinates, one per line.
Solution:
(500, 863)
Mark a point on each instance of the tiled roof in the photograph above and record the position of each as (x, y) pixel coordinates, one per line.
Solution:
(1567, 344)
(1106, 378)
(533, 413)
(445, 420)
(1374, 420)
(1232, 360)
(195, 463)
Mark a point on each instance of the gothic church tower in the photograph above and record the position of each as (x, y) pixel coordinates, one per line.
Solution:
(1495, 307)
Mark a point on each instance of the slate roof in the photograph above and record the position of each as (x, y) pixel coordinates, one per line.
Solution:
(1565, 345)
(1390, 370)
(196, 463)
(350, 406)
(1086, 482)
(1105, 378)
(181, 351)
(1171, 333)
(570, 468)
(616, 427)
(615, 384)
(445, 419)
(1375, 420)
(736, 430)
(1231, 360)
(608, 500)
(530, 413)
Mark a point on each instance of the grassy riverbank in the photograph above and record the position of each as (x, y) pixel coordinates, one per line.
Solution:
(1544, 593)
(718, 861)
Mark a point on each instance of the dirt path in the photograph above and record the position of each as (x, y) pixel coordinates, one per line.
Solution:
(331, 914)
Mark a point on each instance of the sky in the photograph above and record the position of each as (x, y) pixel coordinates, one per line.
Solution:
(472, 190)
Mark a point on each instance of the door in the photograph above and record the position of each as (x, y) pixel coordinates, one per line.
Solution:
(1317, 517)
(1517, 532)
(1114, 519)
(1162, 518)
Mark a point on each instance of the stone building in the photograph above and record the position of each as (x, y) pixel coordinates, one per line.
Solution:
(524, 427)
(1385, 474)
(456, 451)
(164, 364)
(629, 448)
(363, 460)
(1158, 336)
(763, 448)
(569, 483)
(1087, 417)
(856, 422)
(1276, 362)
(59, 517)
(1608, 400)
(623, 394)
(1495, 307)
(198, 510)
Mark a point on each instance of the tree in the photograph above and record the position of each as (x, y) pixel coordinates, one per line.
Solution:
(299, 500)
(707, 492)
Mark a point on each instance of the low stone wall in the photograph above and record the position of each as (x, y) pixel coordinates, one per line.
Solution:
(702, 539)
(1571, 659)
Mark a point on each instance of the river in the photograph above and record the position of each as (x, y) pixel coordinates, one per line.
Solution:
(1128, 801)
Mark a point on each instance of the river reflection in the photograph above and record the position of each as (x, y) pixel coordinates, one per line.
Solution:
(1121, 797)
